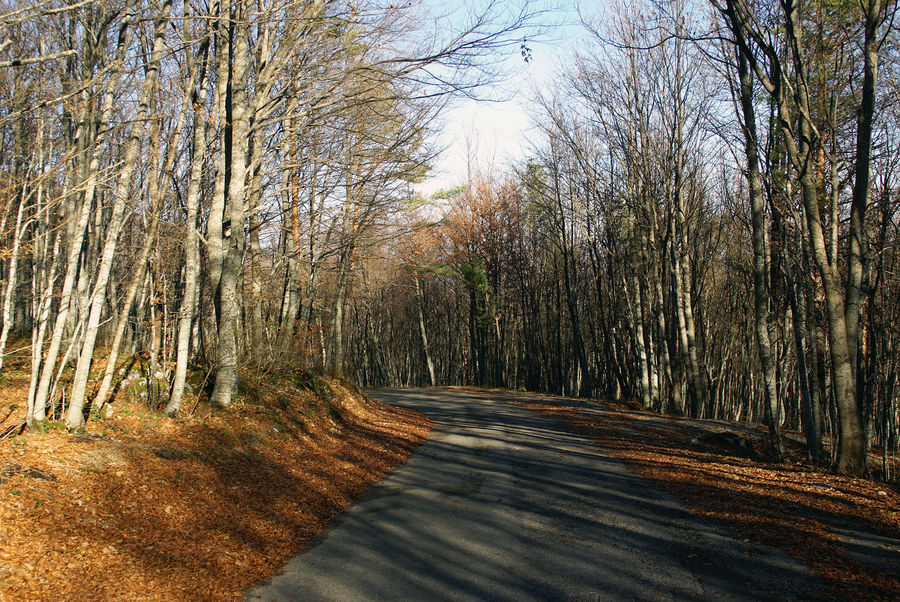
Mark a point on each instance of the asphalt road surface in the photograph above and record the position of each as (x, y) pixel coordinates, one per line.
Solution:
(502, 503)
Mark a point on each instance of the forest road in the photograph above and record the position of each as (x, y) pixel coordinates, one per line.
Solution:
(501, 503)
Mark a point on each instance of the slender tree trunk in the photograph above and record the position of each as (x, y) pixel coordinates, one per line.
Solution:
(235, 149)
(851, 457)
(680, 249)
(637, 319)
(256, 324)
(291, 243)
(808, 399)
(420, 298)
(150, 239)
(335, 360)
(760, 286)
(12, 276)
(587, 384)
(856, 264)
(37, 414)
(661, 325)
(681, 346)
(77, 226)
(74, 416)
(254, 192)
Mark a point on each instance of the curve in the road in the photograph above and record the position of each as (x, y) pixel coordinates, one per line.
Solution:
(504, 504)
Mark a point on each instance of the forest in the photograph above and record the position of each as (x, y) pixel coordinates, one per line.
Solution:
(707, 224)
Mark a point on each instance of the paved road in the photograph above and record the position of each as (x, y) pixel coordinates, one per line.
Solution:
(503, 504)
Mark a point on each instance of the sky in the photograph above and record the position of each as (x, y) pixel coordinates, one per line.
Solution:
(499, 133)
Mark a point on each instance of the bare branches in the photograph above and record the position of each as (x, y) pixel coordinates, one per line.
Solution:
(38, 59)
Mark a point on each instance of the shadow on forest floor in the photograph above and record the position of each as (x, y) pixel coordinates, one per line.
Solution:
(198, 508)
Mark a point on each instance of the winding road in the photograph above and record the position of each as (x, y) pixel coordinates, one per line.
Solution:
(501, 503)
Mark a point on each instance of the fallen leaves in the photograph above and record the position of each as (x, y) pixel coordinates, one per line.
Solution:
(199, 508)
(14, 468)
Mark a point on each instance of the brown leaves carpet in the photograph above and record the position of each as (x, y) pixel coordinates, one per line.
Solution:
(147, 508)
(199, 508)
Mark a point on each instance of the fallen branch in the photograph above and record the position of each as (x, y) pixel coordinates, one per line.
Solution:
(13, 430)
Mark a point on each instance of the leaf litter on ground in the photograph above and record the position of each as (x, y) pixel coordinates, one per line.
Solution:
(201, 507)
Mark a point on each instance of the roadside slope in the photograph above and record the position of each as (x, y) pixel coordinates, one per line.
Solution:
(143, 507)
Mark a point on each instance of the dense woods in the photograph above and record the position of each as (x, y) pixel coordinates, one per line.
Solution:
(708, 223)
(189, 184)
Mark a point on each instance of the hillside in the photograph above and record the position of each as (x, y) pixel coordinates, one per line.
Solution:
(204, 506)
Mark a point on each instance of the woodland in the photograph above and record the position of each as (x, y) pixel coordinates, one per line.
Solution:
(708, 224)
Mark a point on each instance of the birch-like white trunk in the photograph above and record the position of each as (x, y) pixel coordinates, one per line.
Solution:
(236, 113)
(40, 393)
(191, 245)
(12, 276)
(420, 304)
(74, 415)
(760, 286)
(149, 240)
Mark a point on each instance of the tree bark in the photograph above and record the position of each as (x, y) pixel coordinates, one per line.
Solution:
(420, 303)
(74, 416)
(76, 228)
(191, 244)
(235, 150)
(851, 456)
(760, 282)
(12, 275)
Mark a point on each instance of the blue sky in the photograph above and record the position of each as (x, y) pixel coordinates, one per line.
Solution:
(497, 132)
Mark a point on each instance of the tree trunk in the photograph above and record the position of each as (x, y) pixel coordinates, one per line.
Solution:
(12, 275)
(335, 361)
(637, 320)
(420, 298)
(851, 457)
(74, 416)
(191, 246)
(862, 184)
(760, 285)
(235, 150)
(149, 240)
(76, 228)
